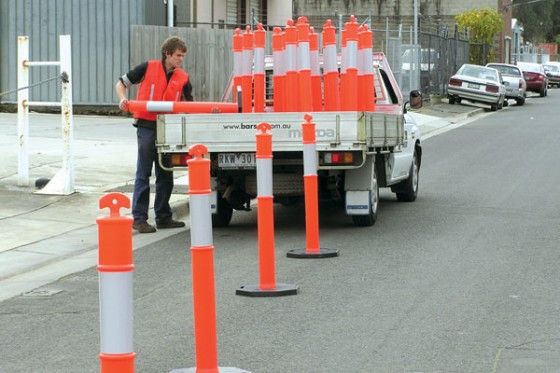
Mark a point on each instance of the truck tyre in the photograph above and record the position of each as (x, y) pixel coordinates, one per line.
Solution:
(520, 101)
(369, 219)
(493, 107)
(223, 214)
(408, 189)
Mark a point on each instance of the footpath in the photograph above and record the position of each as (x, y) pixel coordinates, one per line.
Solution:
(47, 237)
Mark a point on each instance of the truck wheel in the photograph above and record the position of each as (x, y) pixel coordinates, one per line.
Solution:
(369, 219)
(222, 217)
(493, 107)
(408, 189)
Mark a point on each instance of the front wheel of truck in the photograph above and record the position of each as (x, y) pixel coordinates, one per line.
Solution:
(369, 219)
(223, 214)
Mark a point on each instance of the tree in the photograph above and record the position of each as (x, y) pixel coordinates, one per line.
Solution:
(483, 25)
(539, 19)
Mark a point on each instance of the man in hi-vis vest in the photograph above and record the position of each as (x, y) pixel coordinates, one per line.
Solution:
(160, 80)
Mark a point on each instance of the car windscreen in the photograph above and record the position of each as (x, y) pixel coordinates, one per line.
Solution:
(530, 67)
(478, 72)
(552, 68)
(506, 70)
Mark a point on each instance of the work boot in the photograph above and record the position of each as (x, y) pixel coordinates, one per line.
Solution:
(144, 227)
(169, 223)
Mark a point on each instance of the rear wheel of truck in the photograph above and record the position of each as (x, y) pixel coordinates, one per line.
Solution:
(408, 190)
(369, 219)
(223, 214)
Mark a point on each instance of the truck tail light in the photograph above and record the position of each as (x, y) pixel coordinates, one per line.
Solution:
(455, 82)
(492, 88)
(338, 158)
(180, 159)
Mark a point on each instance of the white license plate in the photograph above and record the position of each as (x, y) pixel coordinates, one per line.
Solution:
(237, 160)
(473, 86)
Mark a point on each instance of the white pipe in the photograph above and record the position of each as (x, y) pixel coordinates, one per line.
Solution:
(170, 13)
(67, 115)
(42, 63)
(23, 111)
(43, 103)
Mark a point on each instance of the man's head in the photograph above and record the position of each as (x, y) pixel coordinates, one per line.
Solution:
(173, 52)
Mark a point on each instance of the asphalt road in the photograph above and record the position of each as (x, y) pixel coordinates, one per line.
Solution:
(465, 279)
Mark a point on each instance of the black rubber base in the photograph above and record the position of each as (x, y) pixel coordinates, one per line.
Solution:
(279, 291)
(303, 254)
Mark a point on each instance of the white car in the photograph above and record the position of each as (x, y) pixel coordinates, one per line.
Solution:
(516, 86)
(477, 84)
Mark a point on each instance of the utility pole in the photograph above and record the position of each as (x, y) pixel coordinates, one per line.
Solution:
(170, 13)
(415, 22)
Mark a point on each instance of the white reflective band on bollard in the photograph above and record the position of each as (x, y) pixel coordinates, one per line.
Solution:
(161, 106)
(247, 62)
(303, 62)
(237, 63)
(201, 226)
(259, 61)
(330, 58)
(368, 62)
(314, 60)
(278, 67)
(309, 159)
(351, 54)
(290, 57)
(116, 312)
(264, 179)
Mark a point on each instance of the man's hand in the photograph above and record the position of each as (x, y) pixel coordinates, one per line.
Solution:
(123, 104)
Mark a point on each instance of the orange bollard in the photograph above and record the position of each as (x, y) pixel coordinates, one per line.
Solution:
(349, 84)
(237, 47)
(316, 89)
(259, 83)
(267, 287)
(304, 65)
(278, 74)
(247, 74)
(291, 92)
(368, 82)
(330, 68)
(312, 247)
(115, 270)
(202, 265)
(192, 107)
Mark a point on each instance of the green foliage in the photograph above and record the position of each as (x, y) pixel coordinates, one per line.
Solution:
(483, 25)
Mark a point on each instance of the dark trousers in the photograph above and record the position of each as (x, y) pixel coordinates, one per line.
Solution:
(147, 155)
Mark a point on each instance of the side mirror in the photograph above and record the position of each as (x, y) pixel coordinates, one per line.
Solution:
(415, 99)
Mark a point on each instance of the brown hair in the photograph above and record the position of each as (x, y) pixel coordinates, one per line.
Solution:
(171, 44)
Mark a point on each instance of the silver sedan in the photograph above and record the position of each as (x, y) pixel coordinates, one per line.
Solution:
(516, 86)
(478, 84)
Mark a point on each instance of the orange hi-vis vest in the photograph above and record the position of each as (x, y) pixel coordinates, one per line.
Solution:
(155, 87)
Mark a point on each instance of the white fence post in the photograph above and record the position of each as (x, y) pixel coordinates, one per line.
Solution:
(23, 111)
(63, 182)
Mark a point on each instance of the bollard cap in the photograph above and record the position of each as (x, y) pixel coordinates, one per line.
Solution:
(313, 40)
(248, 38)
(351, 28)
(264, 140)
(308, 129)
(365, 37)
(302, 29)
(199, 170)
(114, 235)
(237, 40)
(277, 39)
(290, 32)
(329, 33)
(260, 36)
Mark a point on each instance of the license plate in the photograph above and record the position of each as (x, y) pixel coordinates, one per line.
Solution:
(237, 160)
(473, 86)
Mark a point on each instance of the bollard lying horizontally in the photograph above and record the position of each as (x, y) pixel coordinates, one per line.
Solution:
(267, 286)
(115, 269)
(202, 267)
(312, 248)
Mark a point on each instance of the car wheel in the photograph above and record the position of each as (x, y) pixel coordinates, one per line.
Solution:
(223, 214)
(520, 101)
(369, 219)
(506, 103)
(542, 93)
(408, 190)
(451, 100)
(459, 99)
(494, 107)
(500, 105)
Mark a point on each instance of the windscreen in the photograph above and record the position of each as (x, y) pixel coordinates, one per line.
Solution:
(506, 70)
(478, 72)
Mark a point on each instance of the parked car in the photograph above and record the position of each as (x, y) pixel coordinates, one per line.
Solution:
(513, 81)
(478, 84)
(552, 70)
(535, 77)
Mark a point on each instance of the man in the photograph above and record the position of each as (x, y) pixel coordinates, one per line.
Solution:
(160, 80)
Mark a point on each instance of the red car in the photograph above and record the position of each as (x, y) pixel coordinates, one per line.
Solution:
(535, 76)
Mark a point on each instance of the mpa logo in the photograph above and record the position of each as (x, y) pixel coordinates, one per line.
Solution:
(319, 133)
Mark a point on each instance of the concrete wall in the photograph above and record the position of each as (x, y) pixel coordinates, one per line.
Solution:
(279, 11)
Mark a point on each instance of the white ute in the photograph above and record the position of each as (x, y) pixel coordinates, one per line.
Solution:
(357, 152)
